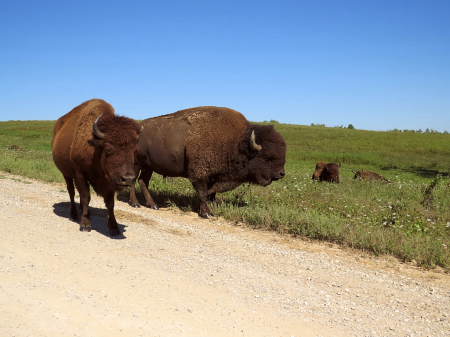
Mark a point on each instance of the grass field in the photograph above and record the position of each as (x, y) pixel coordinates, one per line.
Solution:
(408, 218)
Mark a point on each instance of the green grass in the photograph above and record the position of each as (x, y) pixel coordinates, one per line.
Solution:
(408, 218)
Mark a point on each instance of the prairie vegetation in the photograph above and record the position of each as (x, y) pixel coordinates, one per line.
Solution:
(408, 218)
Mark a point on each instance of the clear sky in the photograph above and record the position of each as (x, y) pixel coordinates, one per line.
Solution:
(376, 64)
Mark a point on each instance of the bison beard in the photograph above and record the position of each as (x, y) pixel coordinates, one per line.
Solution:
(91, 145)
(217, 149)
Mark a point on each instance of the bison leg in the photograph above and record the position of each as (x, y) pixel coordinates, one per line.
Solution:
(85, 198)
(143, 180)
(202, 192)
(112, 223)
(133, 200)
(71, 190)
(211, 197)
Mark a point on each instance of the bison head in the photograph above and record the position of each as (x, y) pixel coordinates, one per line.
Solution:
(318, 171)
(115, 141)
(266, 152)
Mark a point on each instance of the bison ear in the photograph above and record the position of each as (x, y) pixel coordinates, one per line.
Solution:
(96, 142)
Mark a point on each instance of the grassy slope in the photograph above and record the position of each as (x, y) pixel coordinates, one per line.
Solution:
(409, 218)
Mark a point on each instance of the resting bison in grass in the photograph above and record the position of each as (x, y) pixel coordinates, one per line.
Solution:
(217, 149)
(367, 175)
(91, 145)
(15, 147)
(326, 172)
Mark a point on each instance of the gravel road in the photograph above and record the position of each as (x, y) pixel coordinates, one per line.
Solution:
(173, 274)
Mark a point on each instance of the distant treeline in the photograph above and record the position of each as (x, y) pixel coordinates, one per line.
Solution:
(350, 126)
(420, 131)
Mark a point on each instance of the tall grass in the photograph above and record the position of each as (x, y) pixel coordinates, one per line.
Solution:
(408, 218)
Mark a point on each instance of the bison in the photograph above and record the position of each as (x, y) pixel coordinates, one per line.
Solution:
(15, 147)
(326, 172)
(216, 148)
(367, 175)
(91, 145)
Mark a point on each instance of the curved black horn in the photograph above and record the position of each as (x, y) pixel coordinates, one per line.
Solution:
(96, 130)
(253, 144)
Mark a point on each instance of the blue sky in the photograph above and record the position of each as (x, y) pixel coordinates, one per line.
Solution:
(378, 65)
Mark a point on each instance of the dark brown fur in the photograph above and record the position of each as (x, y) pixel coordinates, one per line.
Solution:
(211, 147)
(107, 164)
(326, 172)
(367, 175)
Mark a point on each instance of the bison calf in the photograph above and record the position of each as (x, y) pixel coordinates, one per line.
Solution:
(326, 172)
(367, 175)
(91, 145)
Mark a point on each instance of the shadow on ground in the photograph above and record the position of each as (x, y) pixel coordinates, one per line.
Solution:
(419, 171)
(99, 218)
(164, 200)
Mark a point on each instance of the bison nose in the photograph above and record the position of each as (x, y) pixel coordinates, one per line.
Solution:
(127, 180)
(281, 174)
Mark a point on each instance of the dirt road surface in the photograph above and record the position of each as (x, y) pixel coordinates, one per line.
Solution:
(173, 274)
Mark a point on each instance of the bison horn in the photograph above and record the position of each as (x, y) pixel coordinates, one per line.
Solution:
(253, 144)
(96, 130)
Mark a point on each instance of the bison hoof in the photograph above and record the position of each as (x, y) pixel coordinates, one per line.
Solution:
(205, 215)
(114, 232)
(85, 229)
(154, 207)
(136, 206)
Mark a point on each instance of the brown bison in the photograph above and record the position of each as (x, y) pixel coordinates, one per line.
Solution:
(367, 175)
(91, 145)
(217, 149)
(15, 147)
(326, 172)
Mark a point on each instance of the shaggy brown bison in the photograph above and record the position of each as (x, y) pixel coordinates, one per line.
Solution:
(217, 149)
(326, 172)
(91, 145)
(367, 175)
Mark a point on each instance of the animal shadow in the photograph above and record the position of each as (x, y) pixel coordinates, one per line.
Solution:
(427, 173)
(99, 218)
(165, 199)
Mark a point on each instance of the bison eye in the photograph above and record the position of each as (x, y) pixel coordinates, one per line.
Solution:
(108, 151)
